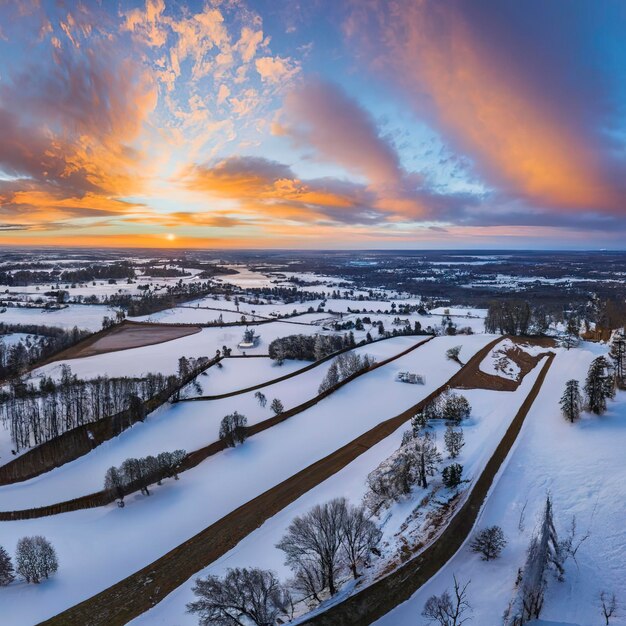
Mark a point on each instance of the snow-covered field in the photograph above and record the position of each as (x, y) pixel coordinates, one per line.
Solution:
(191, 425)
(492, 413)
(498, 363)
(120, 541)
(582, 467)
(88, 317)
(163, 357)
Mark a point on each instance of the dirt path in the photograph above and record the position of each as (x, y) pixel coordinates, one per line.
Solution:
(475, 378)
(142, 590)
(376, 600)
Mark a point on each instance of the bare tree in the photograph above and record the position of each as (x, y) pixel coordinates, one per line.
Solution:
(489, 542)
(114, 482)
(608, 604)
(571, 544)
(360, 538)
(453, 354)
(447, 610)
(233, 429)
(316, 538)
(242, 596)
(544, 552)
(308, 580)
(261, 398)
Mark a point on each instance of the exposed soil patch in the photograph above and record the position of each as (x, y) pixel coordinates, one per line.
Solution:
(124, 336)
(475, 378)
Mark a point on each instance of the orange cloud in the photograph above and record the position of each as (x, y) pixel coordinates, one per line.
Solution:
(484, 105)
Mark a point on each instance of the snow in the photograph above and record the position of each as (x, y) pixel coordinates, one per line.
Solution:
(163, 357)
(88, 317)
(15, 338)
(241, 373)
(459, 312)
(187, 425)
(194, 315)
(492, 413)
(120, 541)
(581, 466)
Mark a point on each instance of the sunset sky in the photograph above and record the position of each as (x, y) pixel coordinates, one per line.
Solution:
(313, 123)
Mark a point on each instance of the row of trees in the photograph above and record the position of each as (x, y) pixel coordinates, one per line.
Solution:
(308, 347)
(42, 342)
(35, 559)
(36, 414)
(141, 473)
(343, 366)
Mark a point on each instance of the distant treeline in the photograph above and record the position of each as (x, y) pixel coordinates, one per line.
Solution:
(120, 270)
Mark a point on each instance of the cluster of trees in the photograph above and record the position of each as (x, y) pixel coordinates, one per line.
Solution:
(44, 341)
(413, 463)
(343, 366)
(617, 353)
(450, 406)
(418, 458)
(118, 270)
(330, 541)
(276, 405)
(35, 559)
(233, 429)
(510, 317)
(152, 302)
(143, 472)
(599, 387)
(35, 415)
(308, 347)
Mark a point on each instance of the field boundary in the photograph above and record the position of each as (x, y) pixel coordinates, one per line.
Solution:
(302, 370)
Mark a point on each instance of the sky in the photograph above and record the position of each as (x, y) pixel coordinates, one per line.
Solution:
(365, 124)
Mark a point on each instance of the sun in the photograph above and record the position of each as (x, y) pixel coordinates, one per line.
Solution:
(170, 236)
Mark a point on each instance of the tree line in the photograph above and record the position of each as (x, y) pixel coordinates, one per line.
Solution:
(44, 342)
(36, 414)
(308, 347)
(343, 366)
(142, 472)
(603, 378)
